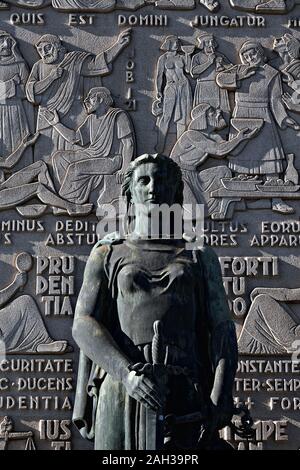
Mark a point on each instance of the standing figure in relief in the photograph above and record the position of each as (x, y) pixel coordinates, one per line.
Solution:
(105, 146)
(206, 64)
(57, 83)
(173, 91)
(16, 114)
(259, 96)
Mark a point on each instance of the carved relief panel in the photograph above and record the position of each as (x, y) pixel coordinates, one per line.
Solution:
(86, 87)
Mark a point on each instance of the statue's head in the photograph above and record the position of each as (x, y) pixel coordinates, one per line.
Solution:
(204, 116)
(171, 43)
(206, 42)
(152, 180)
(287, 46)
(96, 97)
(49, 47)
(7, 44)
(252, 53)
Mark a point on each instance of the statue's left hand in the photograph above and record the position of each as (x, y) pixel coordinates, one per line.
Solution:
(125, 37)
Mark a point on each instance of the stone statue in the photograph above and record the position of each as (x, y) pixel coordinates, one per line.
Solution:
(56, 82)
(173, 91)
(259, 96)
(16, 113)
(22, 329)
(199, 142)
(205, 66)
(107, 142)
(271, 326)
(153, 325)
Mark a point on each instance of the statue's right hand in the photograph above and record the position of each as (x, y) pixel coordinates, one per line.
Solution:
(247, 72)
(57, 73)
(143, 389)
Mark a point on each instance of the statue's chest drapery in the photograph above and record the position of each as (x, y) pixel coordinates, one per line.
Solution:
(156, 284)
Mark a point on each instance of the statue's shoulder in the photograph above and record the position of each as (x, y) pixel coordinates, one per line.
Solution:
(208, 258)
(106, 244)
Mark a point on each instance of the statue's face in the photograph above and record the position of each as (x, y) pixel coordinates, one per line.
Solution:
(91, 103)
(252, 57)
(209, 46)
(48, 52)
(215, 119)
(280, 46)
(175, 44)
(151, 186)
(6, 44)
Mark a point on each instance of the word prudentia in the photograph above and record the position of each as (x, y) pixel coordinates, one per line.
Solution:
(50, 384)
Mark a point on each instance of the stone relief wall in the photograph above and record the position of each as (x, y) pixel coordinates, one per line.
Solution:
(85, 87)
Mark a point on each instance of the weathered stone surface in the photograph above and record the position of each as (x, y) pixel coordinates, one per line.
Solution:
(81, 95)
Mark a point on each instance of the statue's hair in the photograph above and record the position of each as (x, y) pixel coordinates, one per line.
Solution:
(201, 38)
(103, 93)
(51, 39)
(200, 113)
(252, 45)
(166, 45)
(172, 169)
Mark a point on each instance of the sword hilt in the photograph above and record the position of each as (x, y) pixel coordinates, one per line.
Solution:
(158, 347)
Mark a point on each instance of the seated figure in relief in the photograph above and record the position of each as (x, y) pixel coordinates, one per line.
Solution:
(201, 141)
(271, 326)
(22, 329)
(105, 145)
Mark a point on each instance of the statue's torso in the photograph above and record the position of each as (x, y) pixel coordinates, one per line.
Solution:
(153, 283)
